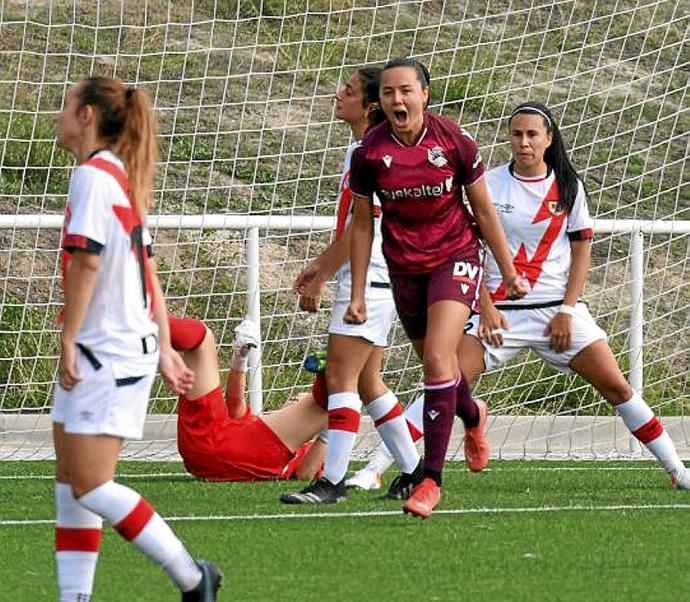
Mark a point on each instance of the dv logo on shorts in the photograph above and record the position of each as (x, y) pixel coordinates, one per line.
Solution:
(436, 157)
(465, 273)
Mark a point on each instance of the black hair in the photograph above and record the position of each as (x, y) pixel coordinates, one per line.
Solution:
(555, 156)
(370, 82)
(420, 69)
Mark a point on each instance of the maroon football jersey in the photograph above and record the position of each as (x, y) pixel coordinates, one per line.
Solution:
(425, 221)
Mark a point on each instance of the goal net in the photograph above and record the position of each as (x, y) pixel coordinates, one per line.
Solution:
(243, 91)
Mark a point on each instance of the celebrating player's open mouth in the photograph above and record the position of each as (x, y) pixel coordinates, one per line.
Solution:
(400, 118)
(403, 100)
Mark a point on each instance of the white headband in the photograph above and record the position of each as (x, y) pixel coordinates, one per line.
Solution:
(531, 110)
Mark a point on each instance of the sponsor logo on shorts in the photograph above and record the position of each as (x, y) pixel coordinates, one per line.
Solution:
(436, 157)
(433, 414)
(465, 273)
(425, 190)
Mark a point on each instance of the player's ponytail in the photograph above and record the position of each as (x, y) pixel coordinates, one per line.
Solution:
(127, 122)
(138, 148)
(555, 155)
(370, 83)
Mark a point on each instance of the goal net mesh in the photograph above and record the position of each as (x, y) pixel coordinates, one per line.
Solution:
(243, 91)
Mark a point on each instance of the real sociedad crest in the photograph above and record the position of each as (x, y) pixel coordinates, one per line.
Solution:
(436, 157)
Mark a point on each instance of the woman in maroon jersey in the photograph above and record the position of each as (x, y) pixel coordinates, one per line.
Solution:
(418, 163)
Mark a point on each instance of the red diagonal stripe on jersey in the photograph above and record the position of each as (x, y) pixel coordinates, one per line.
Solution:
(72, 539)
(532, 268)
(114, 171)
(344, 205)
(128, 217)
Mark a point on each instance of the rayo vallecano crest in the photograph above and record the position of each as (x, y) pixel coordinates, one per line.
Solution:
(436, 157)
(553, 208)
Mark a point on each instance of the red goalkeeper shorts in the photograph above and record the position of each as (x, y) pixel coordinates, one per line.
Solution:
(218, 448)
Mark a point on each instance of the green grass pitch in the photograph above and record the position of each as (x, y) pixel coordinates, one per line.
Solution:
(520, 531)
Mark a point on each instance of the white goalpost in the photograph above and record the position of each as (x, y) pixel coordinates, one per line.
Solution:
(250, 158)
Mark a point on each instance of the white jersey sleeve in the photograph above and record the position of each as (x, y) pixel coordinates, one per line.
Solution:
(579, 222)
(89, 211)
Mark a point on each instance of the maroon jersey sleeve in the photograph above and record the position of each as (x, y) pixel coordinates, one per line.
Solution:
(470, 163)
(362, 176)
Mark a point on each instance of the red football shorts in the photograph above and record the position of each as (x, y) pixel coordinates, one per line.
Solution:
(218, 448)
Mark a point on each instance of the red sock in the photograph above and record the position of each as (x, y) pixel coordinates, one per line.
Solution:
(186, 334)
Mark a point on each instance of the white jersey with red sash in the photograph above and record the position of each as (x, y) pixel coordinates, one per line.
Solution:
(378, 270)
(538, 233)
(101, 218)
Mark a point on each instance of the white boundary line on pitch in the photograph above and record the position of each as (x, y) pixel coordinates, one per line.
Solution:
(149, 475)
(380, 513)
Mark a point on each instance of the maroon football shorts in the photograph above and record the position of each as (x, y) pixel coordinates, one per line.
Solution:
(456, 280)
(218, 448)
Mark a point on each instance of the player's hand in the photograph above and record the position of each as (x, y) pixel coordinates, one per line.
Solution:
(356, 312)
(68, 373)
(309, 286)
(515, 286)
(177, 376)
(310, 297)
(560, 332)
(492, 323)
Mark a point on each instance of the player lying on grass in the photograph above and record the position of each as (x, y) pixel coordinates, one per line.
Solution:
(218, 437)
(541, 202)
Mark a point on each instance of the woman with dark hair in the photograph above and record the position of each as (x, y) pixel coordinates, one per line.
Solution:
(542, 203)
(114, 334)
(418, 164)
(355, 351)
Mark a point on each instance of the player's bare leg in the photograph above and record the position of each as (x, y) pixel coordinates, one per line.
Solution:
(597, 364)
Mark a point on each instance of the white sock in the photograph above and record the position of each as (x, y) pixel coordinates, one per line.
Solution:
(77, 541)
(134, 519)
(414, 414)
(381, 459)
(388, 418)
(344, 413)
(642, 422)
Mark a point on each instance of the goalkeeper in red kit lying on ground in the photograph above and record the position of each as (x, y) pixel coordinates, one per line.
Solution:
(218, 437)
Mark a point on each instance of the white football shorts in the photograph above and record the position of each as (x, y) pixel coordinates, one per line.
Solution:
(101, 403)
(526, 331)
(381, 315)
